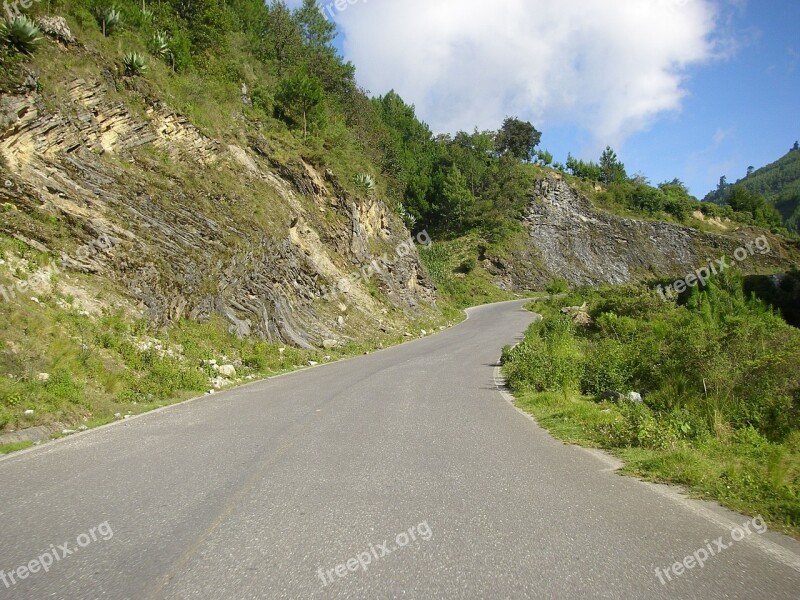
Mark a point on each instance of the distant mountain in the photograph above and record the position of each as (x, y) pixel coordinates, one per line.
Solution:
(778, 183)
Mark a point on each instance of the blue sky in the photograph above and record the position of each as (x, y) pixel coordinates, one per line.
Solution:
(693, 89)
(741, 111)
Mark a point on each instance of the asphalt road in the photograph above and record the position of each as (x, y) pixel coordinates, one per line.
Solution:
(409, 461)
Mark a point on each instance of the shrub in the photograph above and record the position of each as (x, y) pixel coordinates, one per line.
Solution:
(365, 183)
(557, 286)
(262, 99)
(549, 359)
(109, 19)
(159, 47)
(21, 34)
(134, 64)
(609, 365)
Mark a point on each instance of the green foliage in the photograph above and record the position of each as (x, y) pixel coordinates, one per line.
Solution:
(721, 410)
(557, 286)
(544, 157)
(755, 206)
(109, 19)
(584, 170)
(299, 101)
(208, 25)
(317, 31)
(519, 138)
(611, 169)
(262, 99)
(365, 183)
(281, 38)
(721, 356)
(779, 186)
(548, 360)
(455, 201)
(21, 34)
(134, 64)
(180, 47)
(160, 48)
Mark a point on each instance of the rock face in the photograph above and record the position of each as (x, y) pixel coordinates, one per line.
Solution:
(192, 227)
(568, 238)
(57, 28)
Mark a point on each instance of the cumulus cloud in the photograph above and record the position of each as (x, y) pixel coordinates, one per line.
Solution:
(608, 67)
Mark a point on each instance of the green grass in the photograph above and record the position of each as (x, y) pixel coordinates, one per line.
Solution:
(461, 281)
(15, 447)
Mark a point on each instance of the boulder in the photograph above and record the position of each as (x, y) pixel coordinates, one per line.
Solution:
(57, 28)
(634, 397)
(227, 371)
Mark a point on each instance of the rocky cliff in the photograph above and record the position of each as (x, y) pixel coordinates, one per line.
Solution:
(193, 226)
(565, 236)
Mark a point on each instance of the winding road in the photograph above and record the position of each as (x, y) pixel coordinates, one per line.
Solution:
(402, 474)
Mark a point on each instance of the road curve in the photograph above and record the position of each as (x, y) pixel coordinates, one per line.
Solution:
(403, 474)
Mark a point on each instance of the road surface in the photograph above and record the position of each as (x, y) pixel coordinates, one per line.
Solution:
(402, 474)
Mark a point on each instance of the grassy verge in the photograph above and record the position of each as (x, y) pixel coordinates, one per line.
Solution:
(720, 386)
(15, 447)
(63, 369)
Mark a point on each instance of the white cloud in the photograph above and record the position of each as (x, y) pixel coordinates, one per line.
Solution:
(608, 66)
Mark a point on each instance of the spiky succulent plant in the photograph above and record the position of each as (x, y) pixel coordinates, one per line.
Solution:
(20, 33)
(365, 183)
(110, 18)
(134, 63)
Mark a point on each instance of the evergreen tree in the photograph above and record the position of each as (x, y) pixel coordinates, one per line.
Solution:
(299, 99)
(317, 31)
(611, 169)
(456, 199)
(281, 40)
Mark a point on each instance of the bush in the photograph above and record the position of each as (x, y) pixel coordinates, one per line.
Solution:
(109, 18)
(610, 365)
(720, 362)
(262, 99)
(134, 64)
(548, 360)
(557, 286)
(21, 34)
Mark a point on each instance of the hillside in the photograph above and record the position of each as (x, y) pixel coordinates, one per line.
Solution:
(778, 183)
(195, 196)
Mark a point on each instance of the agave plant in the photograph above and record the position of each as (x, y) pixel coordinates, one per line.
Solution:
(365, 183)
(409, 219)
(159, 44)
(110, 18)
(20, 33)
(134, 63)
(159, 47)
(147, 14)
